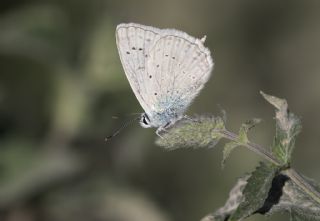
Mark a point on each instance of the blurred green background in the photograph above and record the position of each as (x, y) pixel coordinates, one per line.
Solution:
(62, 90)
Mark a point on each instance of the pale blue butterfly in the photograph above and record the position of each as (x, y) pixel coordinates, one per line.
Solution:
(166, 69)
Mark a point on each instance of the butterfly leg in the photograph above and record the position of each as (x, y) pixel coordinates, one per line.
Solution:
(159, 130)
(190, 119)
(163, 129)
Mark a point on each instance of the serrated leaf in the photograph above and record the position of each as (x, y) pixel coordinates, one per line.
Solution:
(228, 148)
(295, 201)
(256, 191)
(235, 197)
(201, 131)
(288, 127)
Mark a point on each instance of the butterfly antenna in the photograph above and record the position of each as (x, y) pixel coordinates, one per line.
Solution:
(131, 114)
(126, 124)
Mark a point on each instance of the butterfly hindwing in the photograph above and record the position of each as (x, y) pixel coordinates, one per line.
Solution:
(181, 66)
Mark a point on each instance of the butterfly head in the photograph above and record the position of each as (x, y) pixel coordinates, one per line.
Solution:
(145, 121)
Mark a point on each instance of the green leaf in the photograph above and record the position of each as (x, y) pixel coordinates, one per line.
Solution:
(256, 191)
(201, 131)
(228, 148)
(244, 129)
(235, 197)
(295, 201)
(288, 127)
(242, 139)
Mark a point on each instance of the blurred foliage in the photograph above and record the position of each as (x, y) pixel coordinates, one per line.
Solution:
(61, 85)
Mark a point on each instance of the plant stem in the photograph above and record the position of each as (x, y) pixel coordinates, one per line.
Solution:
(303, 184)
(290, 172)
(252, 146)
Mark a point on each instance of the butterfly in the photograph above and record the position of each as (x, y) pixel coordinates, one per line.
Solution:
(166, 70)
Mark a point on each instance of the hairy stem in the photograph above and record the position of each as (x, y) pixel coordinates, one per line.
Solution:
(290, 172)
(303, 184)
(252, 146)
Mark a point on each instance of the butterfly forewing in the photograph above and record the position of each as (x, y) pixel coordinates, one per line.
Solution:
(134, 42)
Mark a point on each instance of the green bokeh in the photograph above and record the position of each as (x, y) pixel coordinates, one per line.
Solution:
(62, 90)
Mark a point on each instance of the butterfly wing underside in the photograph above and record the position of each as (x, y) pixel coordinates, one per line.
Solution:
(181, 65)
(166, 68)
(134, 42)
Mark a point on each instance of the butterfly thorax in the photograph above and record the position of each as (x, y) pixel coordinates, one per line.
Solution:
(159, 119)
(165, 113)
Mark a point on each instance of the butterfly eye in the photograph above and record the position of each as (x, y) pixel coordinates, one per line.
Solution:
(145, 121)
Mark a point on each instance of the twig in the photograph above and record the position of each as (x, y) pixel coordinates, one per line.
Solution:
(290, 172)
(252, 146)
(303, 184)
